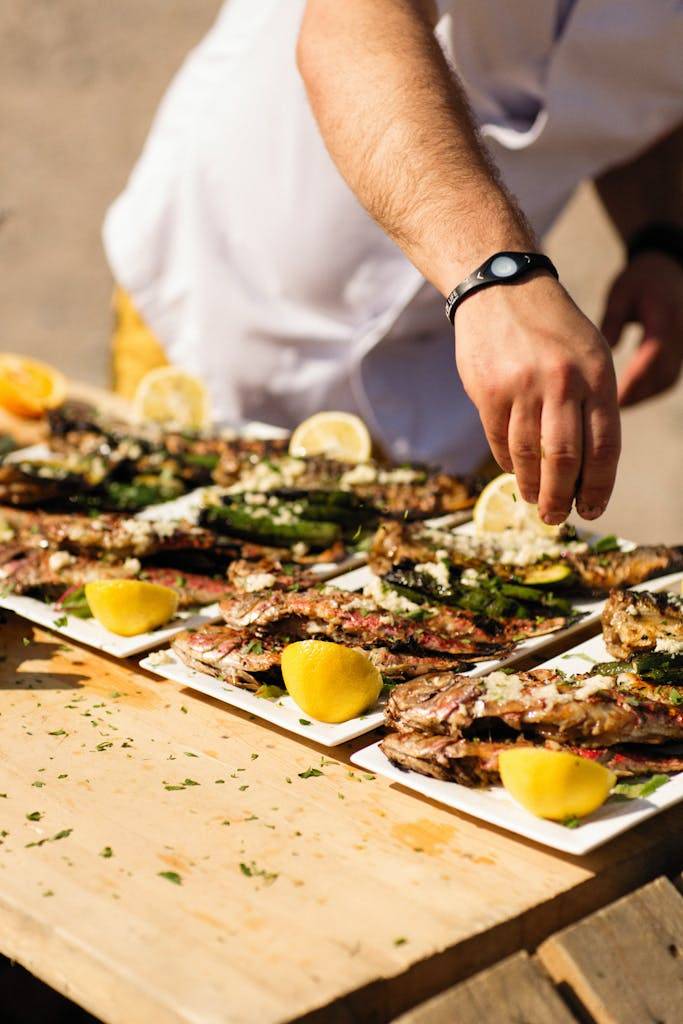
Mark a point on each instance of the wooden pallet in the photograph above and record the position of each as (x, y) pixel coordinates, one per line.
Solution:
(621, 965)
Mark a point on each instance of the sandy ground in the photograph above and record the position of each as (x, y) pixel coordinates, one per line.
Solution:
(78, 85)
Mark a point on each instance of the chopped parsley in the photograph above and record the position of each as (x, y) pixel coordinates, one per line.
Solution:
(171, 876)
(310, 773)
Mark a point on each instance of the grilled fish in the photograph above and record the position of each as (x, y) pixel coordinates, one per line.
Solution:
(640, 622)
(111, 534)
(49, 574)
(475, 762)
(344, 616)
(508, 555)
(250, 660)
(591, 710)
(602, 571)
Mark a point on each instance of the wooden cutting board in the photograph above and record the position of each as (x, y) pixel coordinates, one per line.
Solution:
(165, 859)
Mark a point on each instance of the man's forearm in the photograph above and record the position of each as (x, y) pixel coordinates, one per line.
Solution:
(397, 124)
(648, 189)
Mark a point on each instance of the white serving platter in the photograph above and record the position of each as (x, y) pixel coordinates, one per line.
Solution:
(497, 807)
(283, 712)
(91, 633)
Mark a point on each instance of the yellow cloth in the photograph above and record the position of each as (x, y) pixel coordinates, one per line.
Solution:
(135, 348)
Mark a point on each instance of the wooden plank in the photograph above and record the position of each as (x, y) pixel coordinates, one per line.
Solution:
(371, 901)
(513, 991)
(625, 962)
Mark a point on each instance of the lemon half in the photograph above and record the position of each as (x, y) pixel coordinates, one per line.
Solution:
(339, 435)
(29, 388)
(330, 682)
(130, 607)
(555, 784)
(501, 507)
(169, 396)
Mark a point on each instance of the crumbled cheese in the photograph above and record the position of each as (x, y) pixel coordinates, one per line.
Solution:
(268, 475)
(590, 686)
(509, 547)
(470, 578)
(388, 599)
(363, 473)
(668, 645)
(299, 550)
(132, 565)
(437, 570)
(59, 560)
(502, 686)
(258, 581)
(160, 658)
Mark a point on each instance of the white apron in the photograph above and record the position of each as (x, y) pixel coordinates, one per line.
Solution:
(259, 270)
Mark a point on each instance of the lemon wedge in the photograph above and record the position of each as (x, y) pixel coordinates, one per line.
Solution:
(172, 397)
(555, 784)
(130, 607)
(29, 388)
(339, 435)
(330, 682)
(501, 507)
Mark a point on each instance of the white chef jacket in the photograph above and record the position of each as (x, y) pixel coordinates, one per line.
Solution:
(259, 270)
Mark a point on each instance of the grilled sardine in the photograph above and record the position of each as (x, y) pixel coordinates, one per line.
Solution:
(638, 622)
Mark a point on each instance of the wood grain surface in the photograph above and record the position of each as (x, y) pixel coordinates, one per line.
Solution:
(166, 859)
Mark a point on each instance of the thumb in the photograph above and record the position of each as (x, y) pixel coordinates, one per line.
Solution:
(619, 309)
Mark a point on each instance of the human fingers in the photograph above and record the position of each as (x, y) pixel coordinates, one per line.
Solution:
(495, 416)
(619, 308)
(601, 449)
(561, 454)
(524, 439)
(639, 379)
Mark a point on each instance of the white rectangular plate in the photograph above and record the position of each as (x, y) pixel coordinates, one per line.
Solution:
(93, 634)
(283, 712)
(496, 807)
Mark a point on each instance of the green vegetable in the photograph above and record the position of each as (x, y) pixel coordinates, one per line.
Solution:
(609, 543)
(643, 787)
(249, 524)
(75, 603)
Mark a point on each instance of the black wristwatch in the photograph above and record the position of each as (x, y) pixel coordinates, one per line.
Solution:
(658, 237)
(501, 268)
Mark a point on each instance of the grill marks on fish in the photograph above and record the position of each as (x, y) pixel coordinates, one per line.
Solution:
(591, 710)
(601, 572)
(634, 622)
(340, 614)
(475, 762)
(250, 660)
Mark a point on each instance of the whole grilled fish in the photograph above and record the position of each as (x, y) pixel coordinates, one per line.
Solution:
(398, 543)
(49, 574)
(250, 660)
(638, 622)
(475, 762)
(590, 710)
(352, 617)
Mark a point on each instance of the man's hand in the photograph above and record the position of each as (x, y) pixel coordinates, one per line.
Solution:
(542, 378)
(649, 292)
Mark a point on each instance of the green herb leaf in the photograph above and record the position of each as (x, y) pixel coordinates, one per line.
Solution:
(608, 543)
(171, 876)
(310, 773)
(107, 852)
(643, 787)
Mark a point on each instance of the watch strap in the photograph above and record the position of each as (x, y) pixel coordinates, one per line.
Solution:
(516, 265)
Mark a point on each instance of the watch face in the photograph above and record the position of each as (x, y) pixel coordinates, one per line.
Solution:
(503, 266)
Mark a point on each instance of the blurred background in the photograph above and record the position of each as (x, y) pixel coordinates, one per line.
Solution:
(79, 85)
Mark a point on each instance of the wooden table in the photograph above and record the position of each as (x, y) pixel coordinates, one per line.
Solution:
(250, 893)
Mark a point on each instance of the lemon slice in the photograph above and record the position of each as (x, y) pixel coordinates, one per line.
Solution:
(555, 784)
(172, 397)
(501, 507)
(330, 682)
(340, 435)
(29, 388)
(130, 607)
